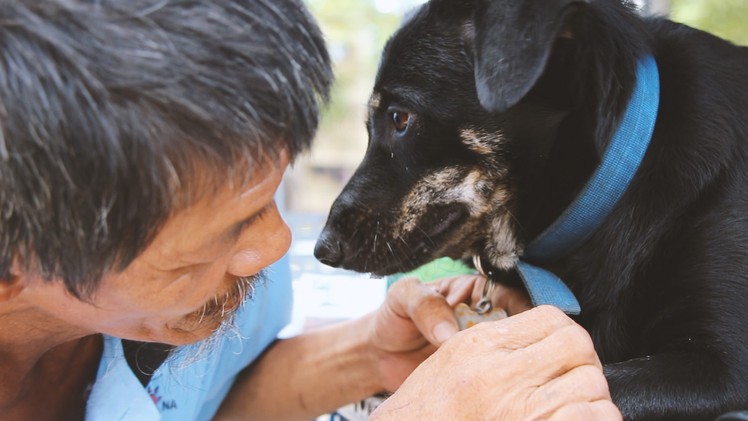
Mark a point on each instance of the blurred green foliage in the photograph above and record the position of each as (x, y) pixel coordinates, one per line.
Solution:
(357, 30)
(725, 18)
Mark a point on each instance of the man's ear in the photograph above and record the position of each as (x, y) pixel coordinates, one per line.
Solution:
(13, 284)
(513, 39)
(11, 287)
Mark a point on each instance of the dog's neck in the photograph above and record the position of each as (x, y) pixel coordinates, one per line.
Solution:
(620, 162)
(608, 183)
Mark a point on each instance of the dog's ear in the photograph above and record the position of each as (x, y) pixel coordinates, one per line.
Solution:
(513, 39)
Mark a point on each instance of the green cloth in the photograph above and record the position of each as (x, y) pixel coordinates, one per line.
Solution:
(437, 269)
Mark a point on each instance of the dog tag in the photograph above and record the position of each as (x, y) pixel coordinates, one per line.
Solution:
(467, 317)
(484, 305)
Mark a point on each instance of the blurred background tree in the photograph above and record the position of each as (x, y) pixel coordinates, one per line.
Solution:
(725, 18)
(356, 31)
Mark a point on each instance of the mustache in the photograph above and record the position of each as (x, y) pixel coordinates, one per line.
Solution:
(221, 308)
(219, 311)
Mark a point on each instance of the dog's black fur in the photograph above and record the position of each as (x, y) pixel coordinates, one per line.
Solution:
(486, 119)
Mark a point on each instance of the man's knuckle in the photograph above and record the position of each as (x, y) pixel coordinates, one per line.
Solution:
(579, 339)
(552, 314)
(596, 381)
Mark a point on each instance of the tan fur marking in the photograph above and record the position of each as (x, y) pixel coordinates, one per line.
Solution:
(502, 250)
(480, 142)
(488, 217)
(434, 189)
(374, 101)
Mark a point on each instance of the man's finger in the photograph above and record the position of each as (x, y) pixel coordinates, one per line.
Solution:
(428, 309)
(568, 347)
(585, 383)
(458, 289)
(512, 300)
(603, 410)
(524, 329)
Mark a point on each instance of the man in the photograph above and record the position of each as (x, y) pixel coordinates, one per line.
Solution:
(142, 144)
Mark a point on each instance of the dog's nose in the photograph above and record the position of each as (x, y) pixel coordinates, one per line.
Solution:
(328, 249)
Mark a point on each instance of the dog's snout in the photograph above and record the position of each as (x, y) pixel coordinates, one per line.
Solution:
(328, 249)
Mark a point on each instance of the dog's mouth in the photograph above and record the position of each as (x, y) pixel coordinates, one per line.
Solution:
(380, 249)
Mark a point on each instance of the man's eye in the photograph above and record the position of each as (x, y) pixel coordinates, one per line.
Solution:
(400, 120)
(241, 226)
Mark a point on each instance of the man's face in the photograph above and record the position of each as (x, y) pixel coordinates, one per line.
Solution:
(190, 278)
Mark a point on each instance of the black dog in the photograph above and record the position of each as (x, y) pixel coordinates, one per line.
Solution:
(488, 118)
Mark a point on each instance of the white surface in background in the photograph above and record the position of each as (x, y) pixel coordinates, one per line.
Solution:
(322, 293)
(326, 296)
(302, 247)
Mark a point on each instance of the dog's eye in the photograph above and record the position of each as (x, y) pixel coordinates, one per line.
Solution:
(400, 120)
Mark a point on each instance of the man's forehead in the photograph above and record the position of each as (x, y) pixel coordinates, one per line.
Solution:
(267, 173)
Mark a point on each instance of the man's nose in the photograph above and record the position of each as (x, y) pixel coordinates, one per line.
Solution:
(262, 244)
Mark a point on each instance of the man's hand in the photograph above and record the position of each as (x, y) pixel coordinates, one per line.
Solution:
(416, 318)
(536, 365)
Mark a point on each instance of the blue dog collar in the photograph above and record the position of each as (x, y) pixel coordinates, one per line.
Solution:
(595, 202)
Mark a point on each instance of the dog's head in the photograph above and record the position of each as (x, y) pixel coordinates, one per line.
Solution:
(462, 120)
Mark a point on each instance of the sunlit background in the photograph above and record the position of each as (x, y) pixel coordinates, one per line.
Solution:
(356, 30)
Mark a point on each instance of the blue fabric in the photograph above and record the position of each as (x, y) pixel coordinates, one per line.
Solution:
(546, 288)
(734, 416)
(185, 391)
(592, 206)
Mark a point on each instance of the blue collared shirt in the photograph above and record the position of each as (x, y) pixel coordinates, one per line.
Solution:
(186, 391)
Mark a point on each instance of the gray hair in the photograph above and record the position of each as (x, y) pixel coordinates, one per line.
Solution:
(107, 107)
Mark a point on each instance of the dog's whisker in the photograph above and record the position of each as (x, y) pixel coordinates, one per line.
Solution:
(395, 256)
(376, 236)
(401, 257)
(426, 236)
(511, 215)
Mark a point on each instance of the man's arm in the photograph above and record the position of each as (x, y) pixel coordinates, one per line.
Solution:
(320, 371)
(305, 376)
